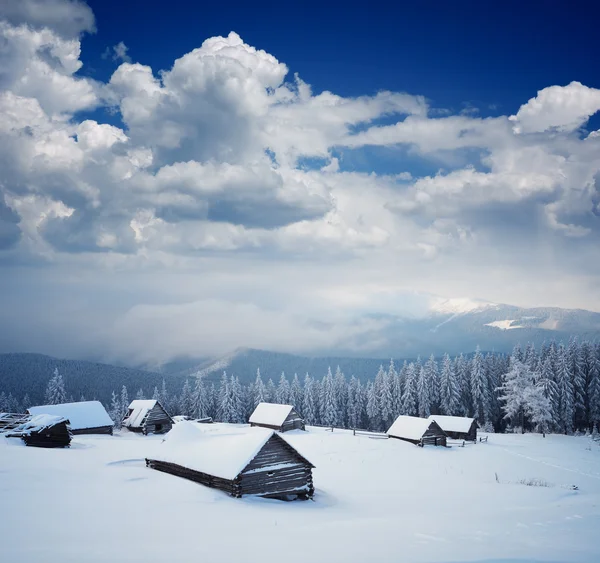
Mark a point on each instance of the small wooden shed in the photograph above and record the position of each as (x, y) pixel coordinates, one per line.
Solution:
(255, 461)
(276, 417)
(44, 431)
(420, 431)
(85, 417)
(457, 427)
(147, 416)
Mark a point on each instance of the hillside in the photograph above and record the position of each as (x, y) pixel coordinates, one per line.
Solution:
(22, 374)
(375, 500)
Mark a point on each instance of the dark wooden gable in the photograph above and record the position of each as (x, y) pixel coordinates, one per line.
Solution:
(277, 470)
(434, 435)
(293, 421)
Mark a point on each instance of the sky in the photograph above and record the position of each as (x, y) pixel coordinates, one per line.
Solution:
(182, 179)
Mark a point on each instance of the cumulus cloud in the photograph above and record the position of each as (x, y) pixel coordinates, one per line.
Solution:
(225, 165)
(561, 108)
(70, 18)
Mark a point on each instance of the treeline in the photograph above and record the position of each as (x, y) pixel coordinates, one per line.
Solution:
(555, 389)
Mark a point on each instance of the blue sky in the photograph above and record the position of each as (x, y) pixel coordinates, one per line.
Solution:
(294, 168)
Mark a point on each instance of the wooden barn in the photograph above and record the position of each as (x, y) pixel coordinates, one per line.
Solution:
(457, 427)
(147, 416)
(420, 431)
(85, 417)
(255, 461)
(44, 431)
(276, 417)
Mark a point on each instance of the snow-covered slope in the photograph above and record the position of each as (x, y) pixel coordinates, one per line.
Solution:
(376, 500)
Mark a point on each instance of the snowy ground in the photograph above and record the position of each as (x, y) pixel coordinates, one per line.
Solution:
(376, 501)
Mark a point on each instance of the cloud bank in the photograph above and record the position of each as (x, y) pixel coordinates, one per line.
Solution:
(227, 192)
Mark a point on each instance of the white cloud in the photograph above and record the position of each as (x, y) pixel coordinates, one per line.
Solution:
(223, 170)
(68, 17)
(561, 108)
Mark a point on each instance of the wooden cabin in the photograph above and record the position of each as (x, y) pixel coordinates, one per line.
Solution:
(254, 461)
(457, 427)
(44, 431)
(420, 431)
(85, 417)
(147, 416)
(276, 417)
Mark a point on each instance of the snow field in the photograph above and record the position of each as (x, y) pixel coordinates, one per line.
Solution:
(376, 500)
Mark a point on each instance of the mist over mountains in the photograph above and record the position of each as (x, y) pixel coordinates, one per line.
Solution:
(452, 326)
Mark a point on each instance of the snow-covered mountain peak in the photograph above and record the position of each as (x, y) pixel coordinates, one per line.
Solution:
(458, 305)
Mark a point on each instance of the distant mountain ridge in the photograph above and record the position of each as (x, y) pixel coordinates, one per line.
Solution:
(22, 374)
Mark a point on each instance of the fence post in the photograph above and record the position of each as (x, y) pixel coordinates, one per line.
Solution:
(354, 432)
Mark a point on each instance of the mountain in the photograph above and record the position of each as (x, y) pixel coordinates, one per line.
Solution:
(22, 374)
(454, 326)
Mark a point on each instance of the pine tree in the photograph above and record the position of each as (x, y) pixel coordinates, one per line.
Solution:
(156, 394)
(566, 406)
(297, 394)
(355, 403)
(409, 397)
(449, 390)
(310, 412)
(271, 394)
(396, 384)
(140, 395)
(386, 398)
(341, 398)
(372, 408)
(124, 402)
(513, 392)
(26, 402)
(423, 393)
(200, 403)
(545, 380)
(186, 402)
(328, 402)
(260, 392)
(480, 391)
(539, 408)
(237, 406)
(164, 399)
(115, 411)
(578, 382)
(463, 377)
(283, 390)
(55, 392)
(594, 388)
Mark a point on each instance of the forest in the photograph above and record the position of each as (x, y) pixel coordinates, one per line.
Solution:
(555, 389)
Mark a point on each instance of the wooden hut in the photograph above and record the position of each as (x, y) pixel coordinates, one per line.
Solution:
(147, 416)
(255, 461)
(85, 417)
(420, 431)
(44, 431)
(276, 417)
(457, 427)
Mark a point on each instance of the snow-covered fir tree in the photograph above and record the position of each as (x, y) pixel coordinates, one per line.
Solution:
(260, 392)
(283, 390)
(341, 397)
(186, 400)
(271, 392)
(310, 401)
(327, 401)
(566, 398)
(55, 391)
(480, 391)
(297, 394)
(409, 397)
(423, 393)
(124, 401)
(140, 395)
(449, 389)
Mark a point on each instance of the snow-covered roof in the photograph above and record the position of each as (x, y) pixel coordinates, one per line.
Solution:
(453, 423)
(271, 414)
(40, 422)
(86, 414)
(140, 408)
(411, 427)
(222, 456)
